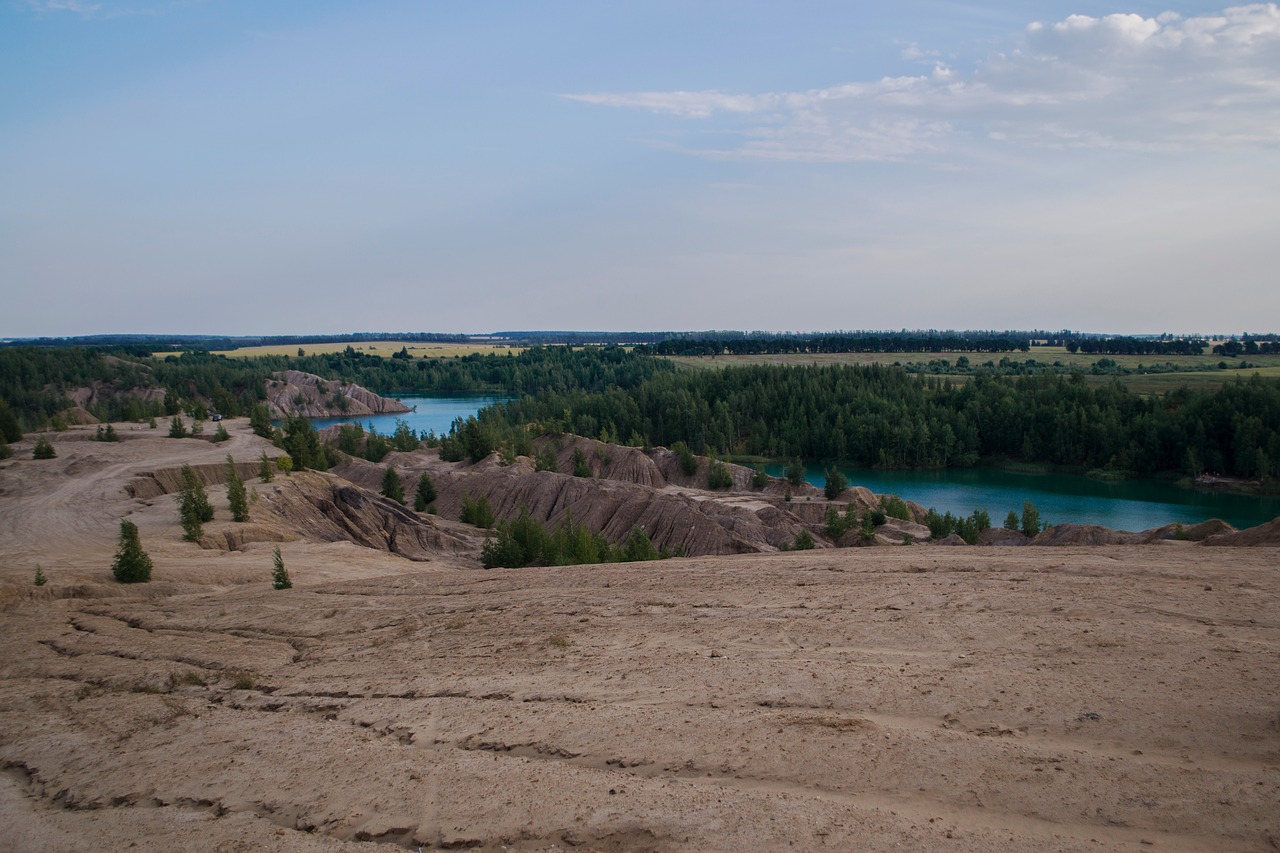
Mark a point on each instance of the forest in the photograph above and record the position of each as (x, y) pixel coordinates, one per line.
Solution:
(876, 416)
(873, 416)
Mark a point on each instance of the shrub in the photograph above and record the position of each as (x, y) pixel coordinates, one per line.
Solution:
(804, 541)
(425, 493)
(759, 479)
(349, 438)
(266, 471)
(837, 524)
(279, 576)
(177, 429)
(220, 434)
(260, 421)
(1030, 519)
(131, 564)
(836, 483)
(894, 507)
(476, 512)
(5, 450)
(40, 579)
(688, 462)
(581, 468)
(718, 475)
(43, 449)
(1011, 520)
(393, 486)
(404, 439)
(795, 472)
(546, 460)
(639, 547)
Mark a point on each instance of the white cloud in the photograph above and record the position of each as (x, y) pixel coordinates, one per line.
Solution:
(108, 10)
(1121, 81)
(64, 6)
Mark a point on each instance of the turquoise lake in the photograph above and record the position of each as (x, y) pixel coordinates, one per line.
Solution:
(430, 414)
(1130, 505)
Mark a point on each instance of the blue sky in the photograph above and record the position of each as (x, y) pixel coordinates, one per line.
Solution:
(304, 167)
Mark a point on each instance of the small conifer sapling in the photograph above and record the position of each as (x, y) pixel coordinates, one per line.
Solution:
(131, 565)
(279, 577)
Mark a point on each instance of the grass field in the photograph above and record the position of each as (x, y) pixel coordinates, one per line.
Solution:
(1142, 383)
(379, 348)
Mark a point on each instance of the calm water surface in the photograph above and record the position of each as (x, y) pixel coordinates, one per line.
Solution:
(1129, 505)
(431, 414)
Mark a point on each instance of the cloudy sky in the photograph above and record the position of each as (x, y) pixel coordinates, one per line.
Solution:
(306, 166)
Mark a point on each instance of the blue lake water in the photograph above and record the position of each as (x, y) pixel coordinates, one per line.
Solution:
(430, 414)
(1128, 505)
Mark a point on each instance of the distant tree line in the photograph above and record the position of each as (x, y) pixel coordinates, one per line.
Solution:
(1136, 346)
(1249, 346)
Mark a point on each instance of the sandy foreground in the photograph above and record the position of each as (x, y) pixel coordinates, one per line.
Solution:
(905, 698)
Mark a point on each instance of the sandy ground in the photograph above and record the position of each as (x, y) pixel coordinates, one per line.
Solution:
(912, 698)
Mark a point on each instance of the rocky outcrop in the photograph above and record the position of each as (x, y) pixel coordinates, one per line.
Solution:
(1084, 534)
(1263, 534)
(167, 481)
(1190, 532)
(321, 507)
(292, 392)
(1002, 536)
(692, 524)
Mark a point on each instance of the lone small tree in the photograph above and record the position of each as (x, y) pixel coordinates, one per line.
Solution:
(266, 471)
(279, 577)
(193, 505)
(836, 483)
(131, 565)
(1030, 519)
(177, 429)
(795, 472)
(236, 495)
(425, 494)
(40, 579)
(392, 485)
(43, 449)
(1011, 520)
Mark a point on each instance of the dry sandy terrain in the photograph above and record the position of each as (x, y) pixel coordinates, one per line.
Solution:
(922, 698)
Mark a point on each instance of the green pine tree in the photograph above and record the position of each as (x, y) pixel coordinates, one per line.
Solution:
(279, 577)
(425, 494)
(43, 449)
(237, 497)
(392, 485)
(266, 470)
(131, 565)
(40, 579)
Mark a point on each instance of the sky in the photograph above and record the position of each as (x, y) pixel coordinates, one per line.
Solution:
(325, 166)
